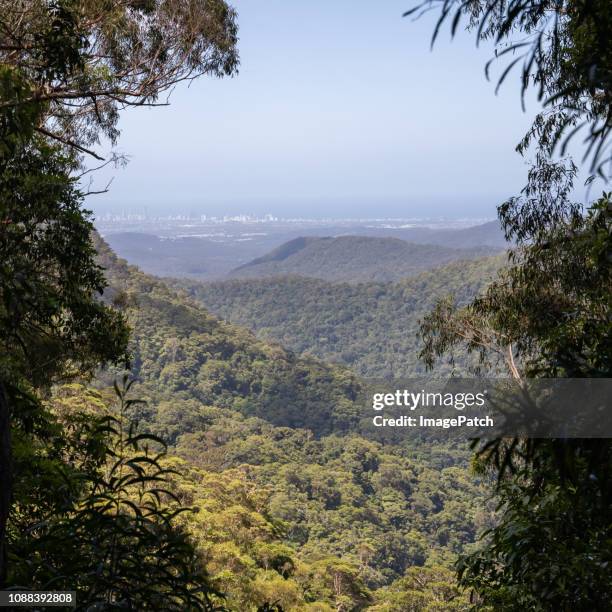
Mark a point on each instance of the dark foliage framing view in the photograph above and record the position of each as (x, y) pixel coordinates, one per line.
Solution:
(155, 454)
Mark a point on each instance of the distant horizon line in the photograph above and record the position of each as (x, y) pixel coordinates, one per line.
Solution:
(270, 217)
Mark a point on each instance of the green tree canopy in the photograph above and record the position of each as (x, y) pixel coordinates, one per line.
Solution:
(67, 68)
(77, 63)
(548, 312)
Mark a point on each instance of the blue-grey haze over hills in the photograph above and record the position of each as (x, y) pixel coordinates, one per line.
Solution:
(343, 251)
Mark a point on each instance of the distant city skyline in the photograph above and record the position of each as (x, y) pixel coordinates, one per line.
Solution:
(126, 215)
(340, 109)
(339, 209)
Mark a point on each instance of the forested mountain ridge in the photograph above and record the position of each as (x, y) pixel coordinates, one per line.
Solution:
(309, 515)
(354, 259)
(211, 251)
(282, 252)
(370, 327)
(180, 350)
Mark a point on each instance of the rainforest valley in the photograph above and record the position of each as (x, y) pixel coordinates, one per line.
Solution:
(192, 441)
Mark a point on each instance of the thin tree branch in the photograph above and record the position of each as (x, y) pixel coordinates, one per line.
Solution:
(69, 143)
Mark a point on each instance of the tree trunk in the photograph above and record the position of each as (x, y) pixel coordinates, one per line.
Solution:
(6, 479)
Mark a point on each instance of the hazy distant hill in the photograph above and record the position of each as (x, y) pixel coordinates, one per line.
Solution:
(487, 234)
(354, 259)
(370, 327)
(214, 251)
(282, 252)
(186, 256)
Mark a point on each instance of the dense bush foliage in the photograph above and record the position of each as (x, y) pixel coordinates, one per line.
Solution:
(94, 512)
(549, 312)
(77, 506)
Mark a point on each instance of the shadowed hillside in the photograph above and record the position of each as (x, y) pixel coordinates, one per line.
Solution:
(181, 351)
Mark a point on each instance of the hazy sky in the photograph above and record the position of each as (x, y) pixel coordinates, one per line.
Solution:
(339, 109)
